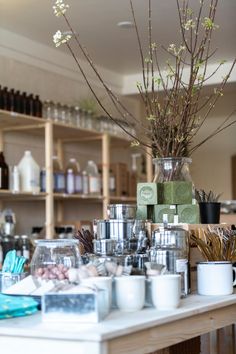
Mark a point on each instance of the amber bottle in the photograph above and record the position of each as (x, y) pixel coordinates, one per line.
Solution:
(4, 183)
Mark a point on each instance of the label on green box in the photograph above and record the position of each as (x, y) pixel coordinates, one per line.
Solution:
(147, 193)
(160, 210)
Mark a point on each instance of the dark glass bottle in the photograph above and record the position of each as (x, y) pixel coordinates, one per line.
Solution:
(5, 99)
(18, 245)
(30, 105)
(18, 102)
(12, 100)
(23, 103)
(37, 107)
(4, 173)
(7, 244)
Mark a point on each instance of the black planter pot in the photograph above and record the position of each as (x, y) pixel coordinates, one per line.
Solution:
(209, 213)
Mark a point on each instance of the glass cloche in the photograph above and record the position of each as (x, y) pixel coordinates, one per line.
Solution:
(53, 258)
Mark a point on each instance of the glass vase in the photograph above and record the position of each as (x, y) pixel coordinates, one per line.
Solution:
(168, 169)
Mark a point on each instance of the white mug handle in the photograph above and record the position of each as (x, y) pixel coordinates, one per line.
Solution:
(234, 270)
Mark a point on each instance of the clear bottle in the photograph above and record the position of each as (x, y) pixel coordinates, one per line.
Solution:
(25, 246)
(47, 109)
(43, 180)
(71, 172)
(15, 179)
(59, 181)
(85, 182)
(4, 175)
(112, 182)
(93, 178)
(29, 173)
(78, 184)
(70, 181)
(77, 116)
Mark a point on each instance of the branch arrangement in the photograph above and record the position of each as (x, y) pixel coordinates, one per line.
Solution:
(175, 109)
(216, 244)
(206, 197)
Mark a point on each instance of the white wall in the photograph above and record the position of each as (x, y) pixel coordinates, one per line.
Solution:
(211, 167)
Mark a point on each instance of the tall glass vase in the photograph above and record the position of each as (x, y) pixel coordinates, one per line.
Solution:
(168, 169)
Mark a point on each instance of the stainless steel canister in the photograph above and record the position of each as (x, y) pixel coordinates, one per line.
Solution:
(121, 229)
(121, 211)
(101, 229)
(118, 230)
(104, 247)
(170, 247)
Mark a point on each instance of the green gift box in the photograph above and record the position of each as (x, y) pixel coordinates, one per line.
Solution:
(188, 213)
(176, 192)
(147, 193)
(144, 212)
(161, 209)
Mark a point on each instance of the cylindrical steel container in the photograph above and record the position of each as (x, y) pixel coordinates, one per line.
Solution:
(121, 211)
(170, 247)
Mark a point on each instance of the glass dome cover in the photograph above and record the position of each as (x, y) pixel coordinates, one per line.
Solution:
(53, 258)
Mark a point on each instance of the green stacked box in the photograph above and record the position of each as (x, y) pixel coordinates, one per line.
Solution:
(161, 209)
(188, 213)
(175, 192)
(144, 212)
(154, 200)
(147, 193)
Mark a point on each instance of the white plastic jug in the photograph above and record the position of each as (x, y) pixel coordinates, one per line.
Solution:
(94, 178)
(29, 173)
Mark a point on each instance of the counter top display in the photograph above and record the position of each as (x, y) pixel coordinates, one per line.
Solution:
(125, 333)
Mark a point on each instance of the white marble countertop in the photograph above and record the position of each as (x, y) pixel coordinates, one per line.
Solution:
(116, 324)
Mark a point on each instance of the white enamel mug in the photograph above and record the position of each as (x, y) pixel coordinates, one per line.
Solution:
(215, 278)
(166, 291)
(130, 292)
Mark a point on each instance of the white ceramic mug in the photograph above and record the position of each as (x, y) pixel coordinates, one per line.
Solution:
(104, 283)
(166, 291)
(130, 292)
(215, 278)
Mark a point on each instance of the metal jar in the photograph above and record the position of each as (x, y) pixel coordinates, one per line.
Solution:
(121, 211)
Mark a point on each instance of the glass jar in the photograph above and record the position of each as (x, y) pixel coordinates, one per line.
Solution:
(172, 169)
(53, 258)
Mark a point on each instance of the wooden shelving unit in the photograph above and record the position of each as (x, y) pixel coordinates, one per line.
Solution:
(60, 134)
(9, 195)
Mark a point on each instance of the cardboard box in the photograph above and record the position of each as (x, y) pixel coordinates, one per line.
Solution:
(132, 184)
(120, 171)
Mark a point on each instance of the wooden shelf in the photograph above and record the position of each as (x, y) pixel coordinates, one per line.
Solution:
(123, 199)
(89, 198)
(9, 195)
(10, 121)
(59, 134)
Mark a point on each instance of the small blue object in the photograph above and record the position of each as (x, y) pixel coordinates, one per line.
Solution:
(16, 306)
(13, 263)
